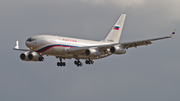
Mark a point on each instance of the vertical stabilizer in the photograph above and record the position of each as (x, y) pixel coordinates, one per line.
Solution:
(115, 33)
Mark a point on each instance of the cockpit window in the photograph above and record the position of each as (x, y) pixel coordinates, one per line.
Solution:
(30, 40)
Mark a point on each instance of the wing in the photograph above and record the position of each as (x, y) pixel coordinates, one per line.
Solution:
(81, 50)
(144, 42)
(22, 49)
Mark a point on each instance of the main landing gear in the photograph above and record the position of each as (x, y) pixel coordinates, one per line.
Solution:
(89, 61)
(78, 63)
(61, 63)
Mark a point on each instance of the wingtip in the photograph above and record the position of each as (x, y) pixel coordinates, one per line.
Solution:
(175, 29)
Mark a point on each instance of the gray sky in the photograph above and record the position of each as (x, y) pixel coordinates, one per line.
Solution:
(143, 74)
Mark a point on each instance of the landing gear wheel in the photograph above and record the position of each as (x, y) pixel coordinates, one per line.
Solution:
(41, 58)
(78, 63)
(92, 62)
(81, 64)
(89, 62)
(58, 64)
(61, 63)
(75, 62)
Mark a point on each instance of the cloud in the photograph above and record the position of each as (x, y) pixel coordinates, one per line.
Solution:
(119, 3)
(168, 8)
(146, 73)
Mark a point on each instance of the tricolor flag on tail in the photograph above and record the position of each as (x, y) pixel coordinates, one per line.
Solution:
(116, 27)
(173, 32)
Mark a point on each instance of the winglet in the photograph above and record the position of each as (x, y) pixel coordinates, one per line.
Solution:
(17, 45)
(173, 33)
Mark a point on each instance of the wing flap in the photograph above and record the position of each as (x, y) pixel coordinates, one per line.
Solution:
(136, 44)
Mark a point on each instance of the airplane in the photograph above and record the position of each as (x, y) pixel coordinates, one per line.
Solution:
(68, 48)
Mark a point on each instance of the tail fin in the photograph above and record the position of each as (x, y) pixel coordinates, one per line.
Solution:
(115, 33)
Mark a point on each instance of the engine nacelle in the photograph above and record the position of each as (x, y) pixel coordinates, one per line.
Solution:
(117, 50)
(24, 56)
(92, 52)
(34, 56)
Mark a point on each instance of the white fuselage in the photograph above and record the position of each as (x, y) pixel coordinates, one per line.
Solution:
(67, 48)
(57, 46)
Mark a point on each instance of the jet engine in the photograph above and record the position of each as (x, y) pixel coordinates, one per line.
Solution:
(92, 52)
(34, 56)
(24, 56)
(117, 50)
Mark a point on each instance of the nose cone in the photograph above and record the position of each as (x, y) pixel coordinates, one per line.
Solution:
(30, 43)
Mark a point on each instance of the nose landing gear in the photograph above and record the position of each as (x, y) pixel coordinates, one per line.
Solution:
(41, 58)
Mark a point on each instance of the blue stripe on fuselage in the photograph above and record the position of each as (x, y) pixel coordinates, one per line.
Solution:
(55, 45)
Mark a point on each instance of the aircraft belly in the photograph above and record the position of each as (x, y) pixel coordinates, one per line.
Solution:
(69, 56)
(55, 51)
(61, 52)
(92, 57)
